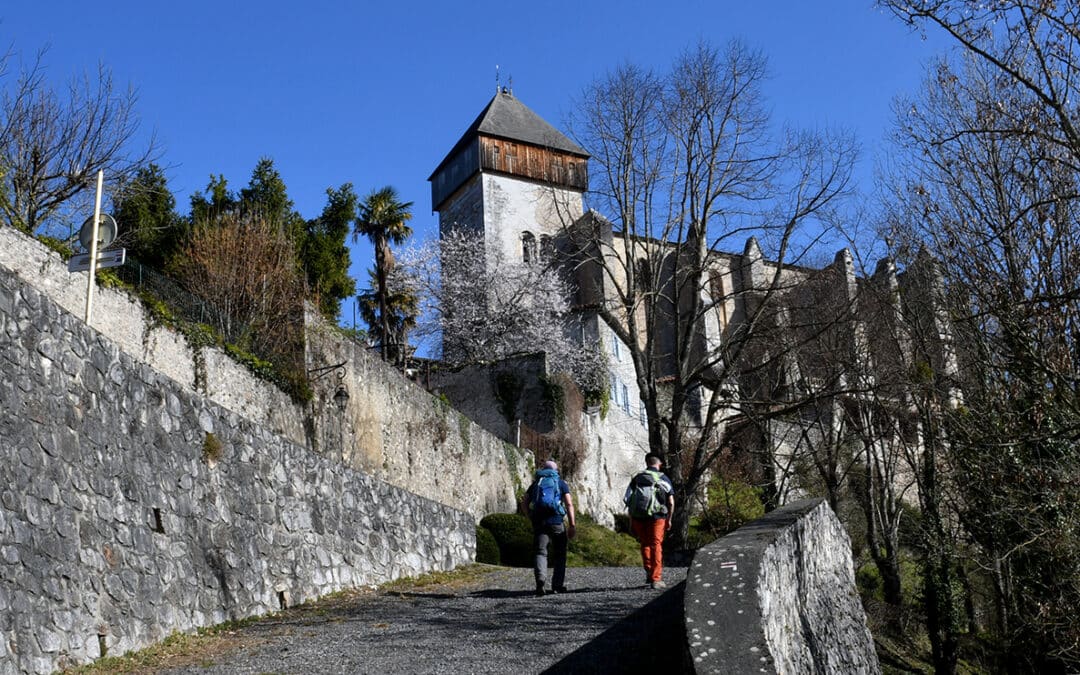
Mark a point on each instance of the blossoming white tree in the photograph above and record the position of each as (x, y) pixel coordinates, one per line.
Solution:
(480, 307)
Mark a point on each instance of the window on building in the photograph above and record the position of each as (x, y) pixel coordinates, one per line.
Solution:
(528, 247)
(719, 297)
(511, 155)
(546, 247)
(616, 349)
(625, 400)
(614, 393)
(495, 157)
(643, 415)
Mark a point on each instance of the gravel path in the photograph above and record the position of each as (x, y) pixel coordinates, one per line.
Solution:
(609, 622)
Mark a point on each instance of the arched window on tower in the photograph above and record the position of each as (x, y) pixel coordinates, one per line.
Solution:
(528, 247)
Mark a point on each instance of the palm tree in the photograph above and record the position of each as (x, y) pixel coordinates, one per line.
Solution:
(382, 219)
(402, 307)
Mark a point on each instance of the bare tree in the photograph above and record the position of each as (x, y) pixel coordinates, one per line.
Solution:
(687, 163)
(53, 144)
(1032, 46)
(245, 268)
(987, 180)
(485, 308)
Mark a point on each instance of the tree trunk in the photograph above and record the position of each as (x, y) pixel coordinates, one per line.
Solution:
(938, 569)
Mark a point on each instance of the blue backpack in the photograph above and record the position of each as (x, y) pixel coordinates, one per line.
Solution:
(547, 498)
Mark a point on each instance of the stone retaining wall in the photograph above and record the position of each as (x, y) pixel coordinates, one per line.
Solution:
(778, 596)
(132, 506)
(391, 428)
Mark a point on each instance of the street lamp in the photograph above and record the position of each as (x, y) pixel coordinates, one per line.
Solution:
(341, 396)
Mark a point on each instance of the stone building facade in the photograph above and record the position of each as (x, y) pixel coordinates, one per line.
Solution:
(823, 328)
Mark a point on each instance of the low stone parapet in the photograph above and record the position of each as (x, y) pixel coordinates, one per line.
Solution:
(778, 596)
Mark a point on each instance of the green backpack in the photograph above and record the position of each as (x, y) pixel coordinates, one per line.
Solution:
(646, 495)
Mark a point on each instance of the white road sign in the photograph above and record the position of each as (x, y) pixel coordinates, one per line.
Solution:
(110, 258)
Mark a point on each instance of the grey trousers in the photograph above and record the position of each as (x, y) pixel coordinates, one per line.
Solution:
(556, 535)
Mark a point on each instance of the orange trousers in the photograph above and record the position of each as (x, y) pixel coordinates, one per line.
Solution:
(650, 535)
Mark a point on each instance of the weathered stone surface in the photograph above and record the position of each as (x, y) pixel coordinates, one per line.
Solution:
(124, 529)
(778, 596)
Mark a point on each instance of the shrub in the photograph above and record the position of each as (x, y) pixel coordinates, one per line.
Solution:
(57, 245)
(868, 579)
(593, 545)
(487, 549)
(514, 537)
(212, 449)
(731, 504)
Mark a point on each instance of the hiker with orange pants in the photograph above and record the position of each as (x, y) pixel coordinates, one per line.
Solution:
(650, 497)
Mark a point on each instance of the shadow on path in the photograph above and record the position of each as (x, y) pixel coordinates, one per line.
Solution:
(650, 640)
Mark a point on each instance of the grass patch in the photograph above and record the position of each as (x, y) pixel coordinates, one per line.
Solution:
(455, 578)
(179, 650)
(597, 546)
(200, 649)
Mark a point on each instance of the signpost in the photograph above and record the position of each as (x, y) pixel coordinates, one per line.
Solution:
(96, 233)
(94, 247)
(111, 258)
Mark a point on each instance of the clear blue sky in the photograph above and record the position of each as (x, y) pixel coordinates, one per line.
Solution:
(376, 92)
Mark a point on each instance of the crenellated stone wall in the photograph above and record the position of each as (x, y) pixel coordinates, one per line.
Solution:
(778, 596)
(132, 507)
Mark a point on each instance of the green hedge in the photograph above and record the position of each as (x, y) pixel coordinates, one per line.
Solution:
(487, 549)
(511, 542)
(514, 536)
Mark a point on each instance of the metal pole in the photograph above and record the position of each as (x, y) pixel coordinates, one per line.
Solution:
(93, 247)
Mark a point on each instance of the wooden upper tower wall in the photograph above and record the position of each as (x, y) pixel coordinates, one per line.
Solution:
(508, 138)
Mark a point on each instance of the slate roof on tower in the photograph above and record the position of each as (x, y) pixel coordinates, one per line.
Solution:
(507, 117)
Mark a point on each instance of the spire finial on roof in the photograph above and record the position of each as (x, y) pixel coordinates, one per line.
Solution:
(497, 87)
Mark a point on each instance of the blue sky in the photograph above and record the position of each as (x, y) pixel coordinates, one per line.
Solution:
(375, 93)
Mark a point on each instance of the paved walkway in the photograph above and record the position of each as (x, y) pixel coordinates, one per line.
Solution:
(609, 622)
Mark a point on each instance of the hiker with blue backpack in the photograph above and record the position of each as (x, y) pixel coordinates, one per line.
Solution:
(548, 503)
(650, 498)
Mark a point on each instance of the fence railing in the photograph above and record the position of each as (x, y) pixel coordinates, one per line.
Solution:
(181, 301)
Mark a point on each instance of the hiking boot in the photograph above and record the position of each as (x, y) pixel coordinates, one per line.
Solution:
(539, 590)
(657, 584)
(560, 589)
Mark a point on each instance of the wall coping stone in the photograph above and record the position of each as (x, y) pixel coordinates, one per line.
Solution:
(776, 596)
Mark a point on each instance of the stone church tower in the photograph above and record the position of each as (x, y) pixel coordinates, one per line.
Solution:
(513, 177)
